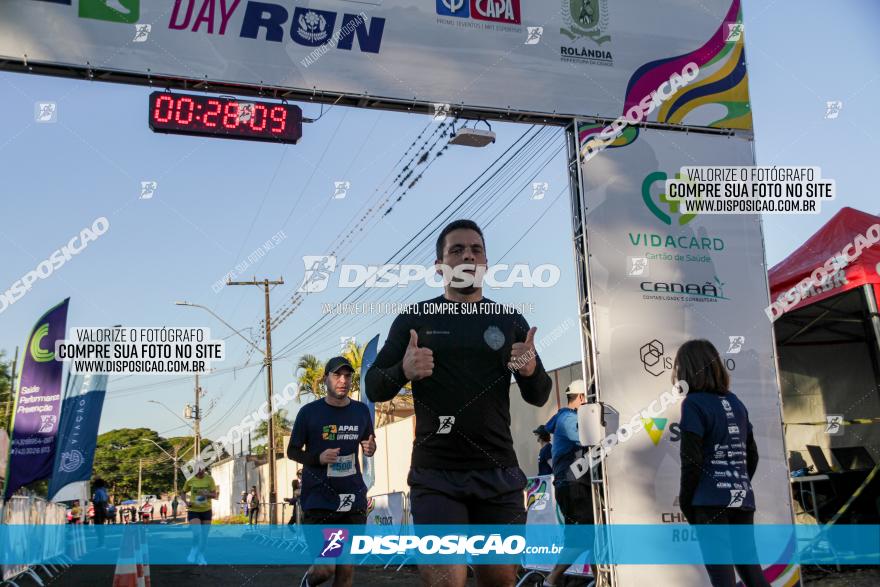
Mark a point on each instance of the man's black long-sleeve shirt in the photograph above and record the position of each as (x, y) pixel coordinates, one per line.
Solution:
(471, 343)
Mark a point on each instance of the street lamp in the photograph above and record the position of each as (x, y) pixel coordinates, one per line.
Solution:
(173, 458)
(152, 401)
(267, 362)
(228, 325)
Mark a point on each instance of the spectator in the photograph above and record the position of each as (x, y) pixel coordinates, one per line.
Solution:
(294, 501)
(253, 506)
(545, 459)
(100, 500)
(174, 505)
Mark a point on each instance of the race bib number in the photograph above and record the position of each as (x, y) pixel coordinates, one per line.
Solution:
(343, 467)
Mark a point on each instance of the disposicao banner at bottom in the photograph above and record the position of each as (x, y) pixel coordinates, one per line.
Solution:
(538, 544)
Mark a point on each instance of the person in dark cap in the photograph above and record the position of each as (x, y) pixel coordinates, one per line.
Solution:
(327, 434)
(545, 459)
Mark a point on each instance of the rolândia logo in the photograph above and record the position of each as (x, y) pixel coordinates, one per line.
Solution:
(585, 19)
(126, 11)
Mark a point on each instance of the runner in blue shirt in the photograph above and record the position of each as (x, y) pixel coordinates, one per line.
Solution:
(325, 439)
(718, 458)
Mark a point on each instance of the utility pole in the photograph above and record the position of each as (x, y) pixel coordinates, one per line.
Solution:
(197, 450)
(8, 415)
(140, 474)
(176, 448)
(267, 361)
(14, 363)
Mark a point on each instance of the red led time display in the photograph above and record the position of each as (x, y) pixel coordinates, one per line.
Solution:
(227, 118)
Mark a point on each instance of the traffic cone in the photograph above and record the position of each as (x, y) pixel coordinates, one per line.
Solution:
(126, 574)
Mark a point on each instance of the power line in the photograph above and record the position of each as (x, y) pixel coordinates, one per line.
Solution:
(476, 201)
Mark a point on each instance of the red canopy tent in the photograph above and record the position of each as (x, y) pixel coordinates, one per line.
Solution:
(827, 242)
(828, 351)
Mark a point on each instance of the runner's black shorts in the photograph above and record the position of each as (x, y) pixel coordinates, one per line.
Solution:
(575, 501)
(484, 496)
(329, 518)
(203, 516)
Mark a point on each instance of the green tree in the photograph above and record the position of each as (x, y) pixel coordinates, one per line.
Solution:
(119, 453)
(6, 398)
(310, 376)
(355, 356)
(283, 426)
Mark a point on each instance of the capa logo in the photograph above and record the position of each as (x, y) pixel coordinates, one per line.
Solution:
(496, 10)
(505, 11)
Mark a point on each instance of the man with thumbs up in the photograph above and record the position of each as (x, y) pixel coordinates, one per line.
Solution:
(459, 351)
(326, 436)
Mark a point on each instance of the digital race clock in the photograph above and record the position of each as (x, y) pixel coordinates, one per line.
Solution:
(227, 118)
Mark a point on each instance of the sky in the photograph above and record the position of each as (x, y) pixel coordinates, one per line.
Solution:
(219, 200)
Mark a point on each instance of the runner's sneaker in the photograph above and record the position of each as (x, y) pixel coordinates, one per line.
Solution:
(201, 560)
(191, 557)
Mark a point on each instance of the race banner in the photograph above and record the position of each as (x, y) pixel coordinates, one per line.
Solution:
(38, 402)
(658, 278)
(588, 57)
(543, 511)
(386, 510)
(78, 433)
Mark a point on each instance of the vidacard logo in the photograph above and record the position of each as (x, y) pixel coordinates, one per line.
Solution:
(668, 211)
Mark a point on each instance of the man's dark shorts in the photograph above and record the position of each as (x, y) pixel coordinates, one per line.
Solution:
(486, 496)
(329, 518)
(575, 501)
(333, 518)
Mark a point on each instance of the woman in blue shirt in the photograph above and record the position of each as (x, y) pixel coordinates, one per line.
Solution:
(718, 460)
